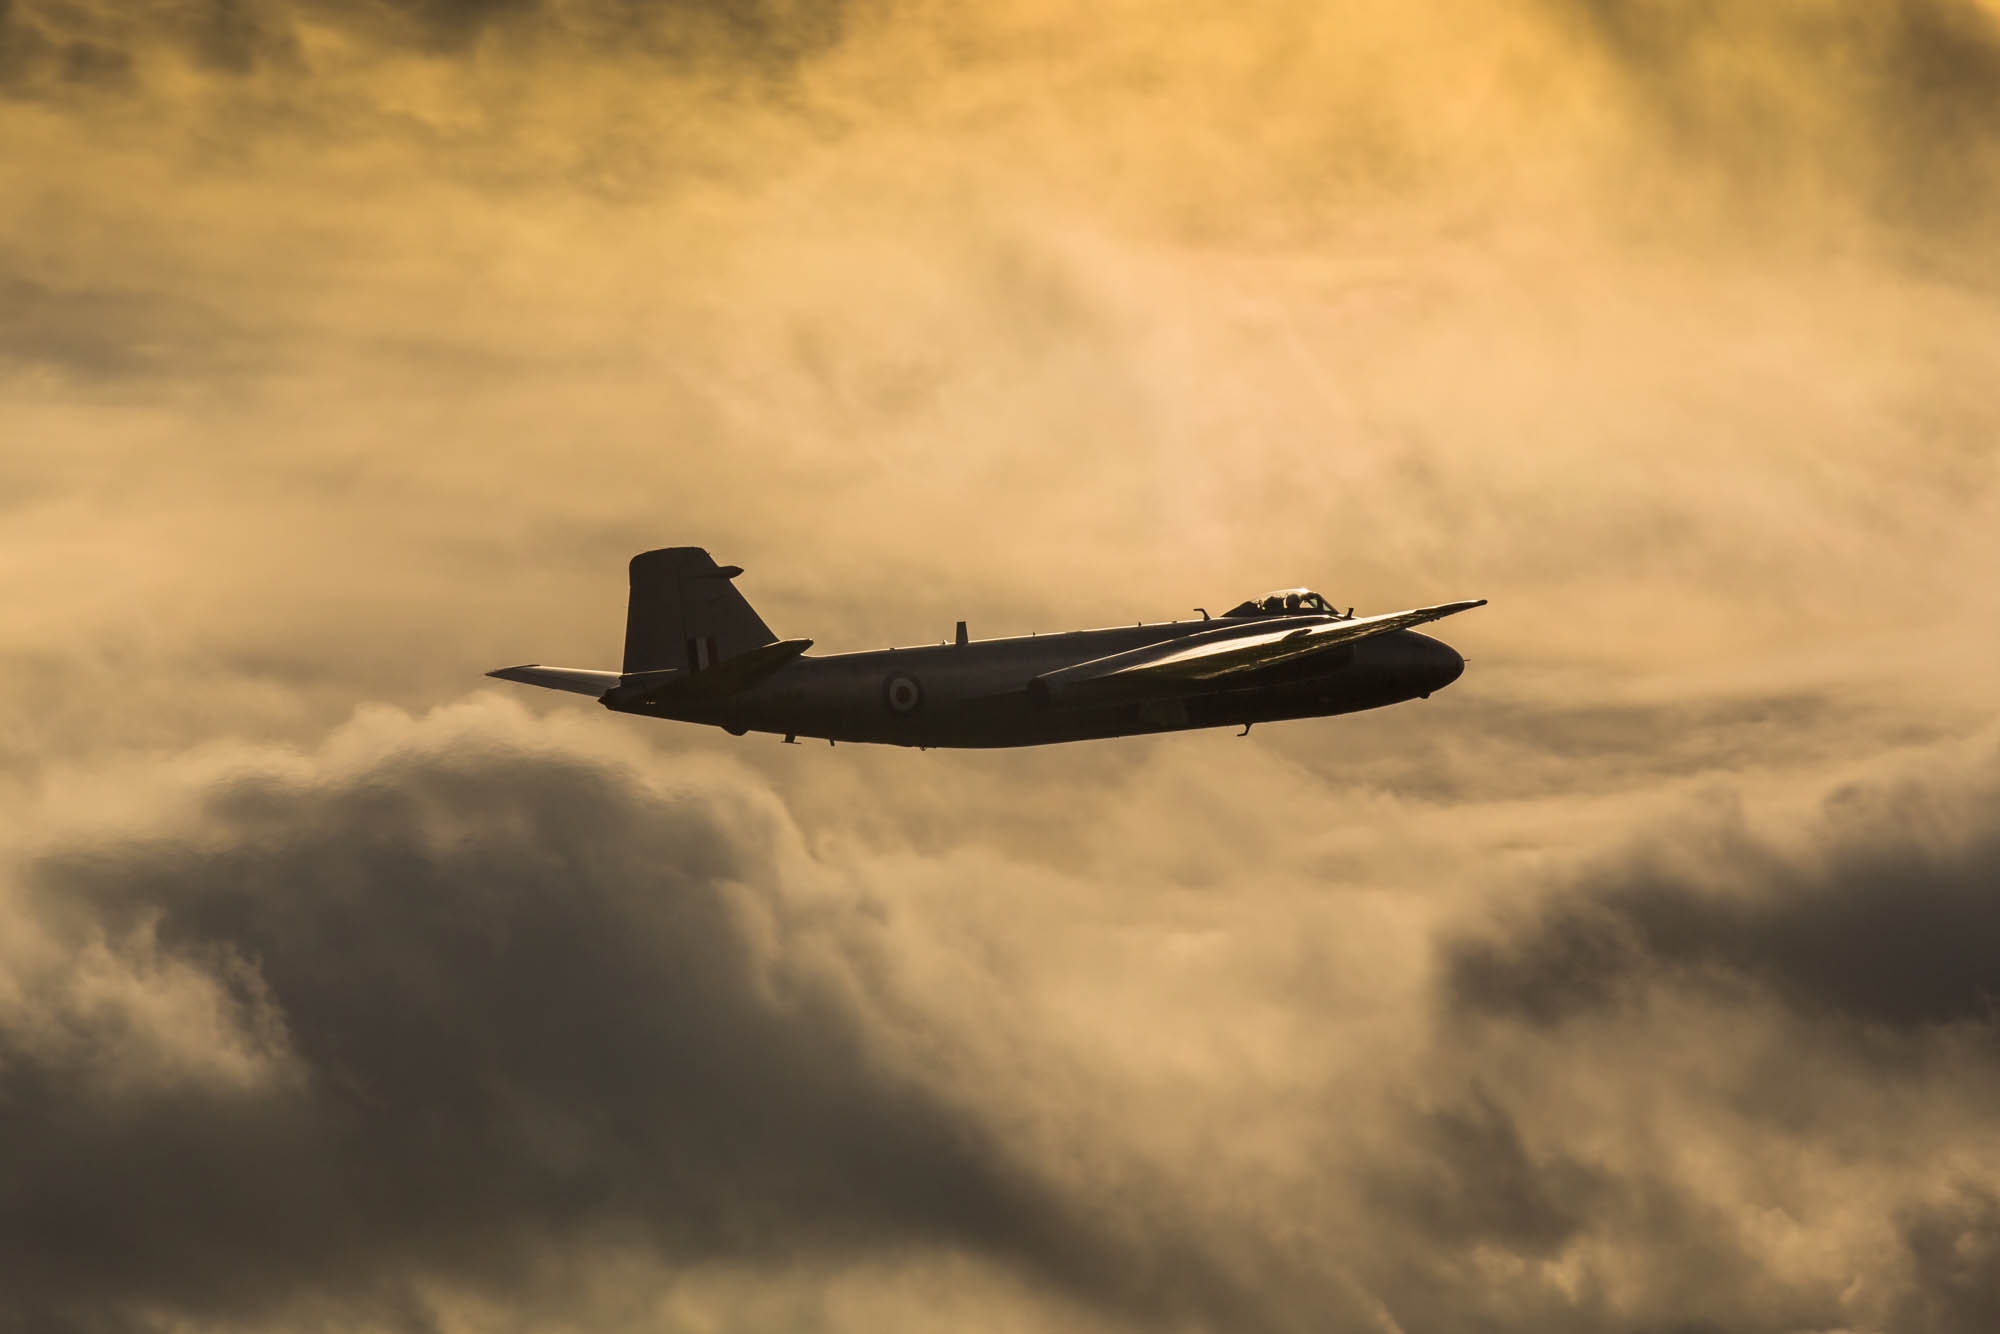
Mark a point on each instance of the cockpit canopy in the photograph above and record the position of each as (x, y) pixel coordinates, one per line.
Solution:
(1285, 602)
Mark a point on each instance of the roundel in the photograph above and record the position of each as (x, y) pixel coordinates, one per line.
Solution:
(902, 694)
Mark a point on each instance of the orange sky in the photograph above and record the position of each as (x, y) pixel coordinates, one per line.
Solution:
(1641, 979)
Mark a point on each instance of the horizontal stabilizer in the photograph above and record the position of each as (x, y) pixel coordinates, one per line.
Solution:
(578, 679)
(628, 688)
(747, 668)
(1235, 650)
(725, 678)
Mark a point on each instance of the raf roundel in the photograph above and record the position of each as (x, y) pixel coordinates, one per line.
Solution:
(902, 694)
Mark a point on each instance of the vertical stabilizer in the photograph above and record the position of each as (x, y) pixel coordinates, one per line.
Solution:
(684, 612)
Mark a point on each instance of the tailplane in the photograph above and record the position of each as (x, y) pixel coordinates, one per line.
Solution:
(684, 613)
(580, 680)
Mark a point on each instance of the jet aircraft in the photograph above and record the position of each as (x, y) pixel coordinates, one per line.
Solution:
(696, 652)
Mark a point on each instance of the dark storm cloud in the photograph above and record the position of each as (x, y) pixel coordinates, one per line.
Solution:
(1954, 1252)
(776, 31)
(112, 333)
(61, 52)
(1477, 1183)
(492, 1000)
(443, 23)
(238, 36)
(1810, 952)
(1891, 918)
(1768, 89)
(54, 50)
(42, 56)
(1477, 1176)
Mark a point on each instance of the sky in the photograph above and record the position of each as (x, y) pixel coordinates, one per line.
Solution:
(1643, 981)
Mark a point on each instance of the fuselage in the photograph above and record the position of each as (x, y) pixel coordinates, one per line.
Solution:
(977, 694)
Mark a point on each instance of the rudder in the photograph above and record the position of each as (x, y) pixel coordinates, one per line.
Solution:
(684, 612)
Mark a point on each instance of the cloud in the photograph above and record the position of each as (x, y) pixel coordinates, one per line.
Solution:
(108, 334)
(440, 1008)
(1901, 99)
(1954, 1248)
(1648, 1081)
(65, 52)
(1889, 915)
(476, 1005)
(1480, 1185)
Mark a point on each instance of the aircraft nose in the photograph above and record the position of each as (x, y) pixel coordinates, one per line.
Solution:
(1450, 664)
(1438, 663)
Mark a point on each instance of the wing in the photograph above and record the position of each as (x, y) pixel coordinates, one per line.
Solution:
(1218, 655)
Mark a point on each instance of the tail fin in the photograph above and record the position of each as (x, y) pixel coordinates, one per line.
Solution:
(685, 613)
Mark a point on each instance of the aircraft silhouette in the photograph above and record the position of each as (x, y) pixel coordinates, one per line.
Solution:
(696, 652)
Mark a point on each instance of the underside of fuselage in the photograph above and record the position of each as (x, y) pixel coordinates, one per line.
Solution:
(977, 695)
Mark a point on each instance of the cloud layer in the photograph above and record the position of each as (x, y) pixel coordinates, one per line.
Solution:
(464, 1009)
